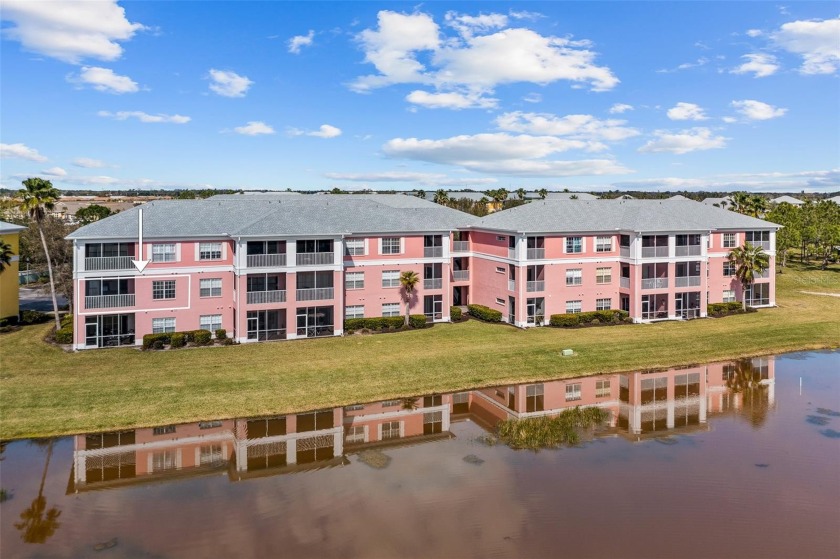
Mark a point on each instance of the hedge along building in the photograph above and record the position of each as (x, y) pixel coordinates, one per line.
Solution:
(656, 259)
(274, 266)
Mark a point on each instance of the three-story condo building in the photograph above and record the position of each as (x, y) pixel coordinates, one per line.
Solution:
(268, 267)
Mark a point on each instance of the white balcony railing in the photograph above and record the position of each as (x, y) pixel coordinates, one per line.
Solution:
(654, 252)
(460, 275)
(99, 263)
(686, 281)
(266, 260)
(763, 275)
(460, 246)
(433, 283)
(535, 286)
(625, 282)
(512, 253)
(315, 258)
(688, 250)
(763, 244)
(536, 253)
(314, 294)
(109, 301)
(655, 283)
(432, 252)
(624, 251)
(260, 297)
(511, 285)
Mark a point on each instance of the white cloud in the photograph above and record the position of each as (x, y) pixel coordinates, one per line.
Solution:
(702, 61)
(686, 111)
(761, 65)
(426, 179)
(619, 108)
(685, 141)
(145, 117)
(816, 41)
(325, 131)
(104, 79)
(20, 151)
(501, 153)
(254, 128)
(756, 110)
(299, 41)
(582, 127)
(467, 25)
(729, 119)
(754, 33)
(70, 30)
(88, 163)
(533, 98)
(229, 84)
(55, 172)
(451, 100)
(809, 181)
(524, 14)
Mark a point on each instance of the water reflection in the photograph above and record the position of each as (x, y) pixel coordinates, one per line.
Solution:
(641, 405)
(37, 522)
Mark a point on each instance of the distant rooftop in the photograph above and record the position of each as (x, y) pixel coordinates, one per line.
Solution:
(6, 227)
(787, 200)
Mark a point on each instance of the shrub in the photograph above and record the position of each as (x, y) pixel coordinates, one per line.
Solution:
(417, 321)
(564, 320)
(227, 341)
(594, 318)
(149, 340)
(178, 339)
(723, 309)
(67, 320)
(375, 323)
(202, 337)
(455, 313)
(33, 317)
(221, 334)
(64, 335)
(157, 344)
(485, 313)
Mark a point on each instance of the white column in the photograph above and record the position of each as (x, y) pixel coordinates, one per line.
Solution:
(703, 409)
(80, 468)
(444, 424)
(241, 455)
(338, 443)
(291, 451)
(669, 422)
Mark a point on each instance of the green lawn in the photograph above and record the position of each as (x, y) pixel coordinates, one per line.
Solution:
(46, 391)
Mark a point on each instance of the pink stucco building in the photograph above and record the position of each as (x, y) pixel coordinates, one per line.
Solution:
(281, 266)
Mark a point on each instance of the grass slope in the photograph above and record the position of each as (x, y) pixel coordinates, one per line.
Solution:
(46, 391)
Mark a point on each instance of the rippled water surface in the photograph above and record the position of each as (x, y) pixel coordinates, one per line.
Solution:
(721, 460)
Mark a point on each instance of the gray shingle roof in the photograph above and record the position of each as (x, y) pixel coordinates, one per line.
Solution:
(6, 227)
(273, 215)
(623, 215)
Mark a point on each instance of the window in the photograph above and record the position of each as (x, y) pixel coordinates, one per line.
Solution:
(211, 322)
(165, 430)
(209, 424)
(573, 392)
(210, 251)
(210, 287)
(354, 247)
(391, 403)
(534, 398)
(602, 388)
(500, 270)
(603, 244)
(574, 276)
(603, 304)
(729, 296)
(164, 289)
(391, 309)
(573, 306)
(756, 237)
(390, 430)
(162, 325)
(355, 434)
(729, 240)
(500, 301)
(390, 278)
(603, 275)
(729, 268)
(354, 280)
(163, 253)
(574, 244)
(354, 311)
(501, 238)
(391, 245)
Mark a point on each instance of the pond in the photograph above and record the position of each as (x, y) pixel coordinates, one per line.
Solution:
(737, 459)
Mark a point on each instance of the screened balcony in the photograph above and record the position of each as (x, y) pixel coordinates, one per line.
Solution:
(687, 245)
(654, 307)
(432, 246)
(108, 256)
(432, 276)
(655, 276)
(109, 293)
(687, 305)
(536, 248)
(461, 243)
(687, 274)
(319, 252)
(266, 288)
(265, 254)
(459, 269)
(624, 245)
(758, 238)
(655, 246)
(535, 279)
(314, 286)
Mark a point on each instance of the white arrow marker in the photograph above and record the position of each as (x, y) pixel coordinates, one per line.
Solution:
(140, 264)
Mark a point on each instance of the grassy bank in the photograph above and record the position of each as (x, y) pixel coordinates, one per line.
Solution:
(46, 391)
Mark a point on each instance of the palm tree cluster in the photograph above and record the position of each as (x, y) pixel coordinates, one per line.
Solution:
(748, 204)
(813, 227)
(750, 261)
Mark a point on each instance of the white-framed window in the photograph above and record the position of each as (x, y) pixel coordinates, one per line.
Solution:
(210, 322)
(355, 434)
(573, 307)
(574, 245)
(602, 388)
(603, 304)
(391, 403)
(161, 325)
(354, 280)
(729, 296)
(500, 301)
(603, 244)
(390, 309)
(210, 287)
(500, 270)
(391, 245)
(164, 289)
(209, 251)
(354, 311)
(390, 430)
(574, 276)
(354, 247)
(164, 252)
(501, 238)
(729, 268)
(573, 392)
(603, 275)
(390, 278)
(729, 240)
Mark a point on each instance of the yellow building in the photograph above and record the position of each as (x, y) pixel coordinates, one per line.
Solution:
(9, 297)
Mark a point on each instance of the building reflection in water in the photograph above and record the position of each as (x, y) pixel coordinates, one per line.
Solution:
(642, 405)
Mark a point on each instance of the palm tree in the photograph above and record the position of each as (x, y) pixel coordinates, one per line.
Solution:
(543, 192)
(6, 255)
(38, 196)
(749, 260)
(420, 194)
(520, 192)
(745, 380)
(408, 281)
(35, 527)
(441, 197)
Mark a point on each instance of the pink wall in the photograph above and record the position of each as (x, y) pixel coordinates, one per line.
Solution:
(487, 243)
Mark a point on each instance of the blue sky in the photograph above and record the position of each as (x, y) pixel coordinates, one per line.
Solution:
(308, 95)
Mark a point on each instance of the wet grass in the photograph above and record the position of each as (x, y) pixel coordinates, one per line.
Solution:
(534, 433)
(46, 391)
